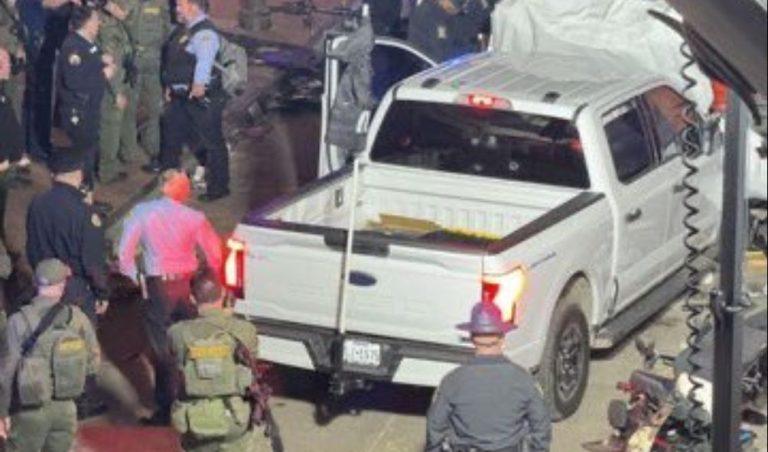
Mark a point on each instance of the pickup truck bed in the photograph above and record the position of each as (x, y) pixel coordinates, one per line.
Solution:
(416, 204)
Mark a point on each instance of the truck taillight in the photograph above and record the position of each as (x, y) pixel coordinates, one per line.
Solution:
(506, 292)
(234, 268)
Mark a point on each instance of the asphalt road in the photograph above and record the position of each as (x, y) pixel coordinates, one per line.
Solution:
(390, 418)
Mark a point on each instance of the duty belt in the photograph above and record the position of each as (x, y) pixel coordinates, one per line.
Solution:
(171, 277)
(179, 91)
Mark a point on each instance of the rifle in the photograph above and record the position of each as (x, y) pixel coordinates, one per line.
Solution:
(258, 395)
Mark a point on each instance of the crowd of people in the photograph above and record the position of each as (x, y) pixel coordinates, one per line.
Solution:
(89, 67)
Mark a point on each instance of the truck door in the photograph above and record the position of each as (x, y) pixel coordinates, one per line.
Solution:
(666, 110)
(393, 61)
(643, 191)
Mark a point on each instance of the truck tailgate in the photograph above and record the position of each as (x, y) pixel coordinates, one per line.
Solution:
(401, 290)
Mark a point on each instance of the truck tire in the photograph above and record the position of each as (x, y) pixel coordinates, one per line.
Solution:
(564, 370)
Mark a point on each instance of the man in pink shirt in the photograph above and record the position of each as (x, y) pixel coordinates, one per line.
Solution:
(169, 234)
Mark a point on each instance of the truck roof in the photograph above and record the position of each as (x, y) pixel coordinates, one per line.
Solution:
(568, 80)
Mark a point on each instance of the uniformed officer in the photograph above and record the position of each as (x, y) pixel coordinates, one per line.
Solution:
(115, 40)
(10, 40)
(62, 225)
(446, 29)
(196, 97)
(489, 404)
(83, 74)
(11, 138)
(10, 132)
(51, 349)
(211, 412)
(150, 25)
(169, 234)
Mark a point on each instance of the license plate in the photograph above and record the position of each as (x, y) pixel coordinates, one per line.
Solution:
(361, 353)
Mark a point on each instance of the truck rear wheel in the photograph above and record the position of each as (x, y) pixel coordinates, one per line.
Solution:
(564, 371)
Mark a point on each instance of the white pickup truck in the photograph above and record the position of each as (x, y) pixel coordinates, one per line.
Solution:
(551, 186)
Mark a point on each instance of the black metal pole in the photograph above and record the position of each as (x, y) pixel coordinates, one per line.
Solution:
(729, 322)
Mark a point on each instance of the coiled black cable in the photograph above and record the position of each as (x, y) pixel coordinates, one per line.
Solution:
(696, 423)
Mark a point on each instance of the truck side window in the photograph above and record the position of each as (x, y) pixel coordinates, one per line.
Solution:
(631, 148)
(667, 109)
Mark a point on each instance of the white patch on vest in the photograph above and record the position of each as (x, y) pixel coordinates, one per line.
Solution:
(74, 60)
(96, 220)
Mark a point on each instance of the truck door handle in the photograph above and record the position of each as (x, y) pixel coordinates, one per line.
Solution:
(634, 215)
(678, 188)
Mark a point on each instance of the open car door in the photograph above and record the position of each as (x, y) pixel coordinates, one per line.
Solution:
(392, 61)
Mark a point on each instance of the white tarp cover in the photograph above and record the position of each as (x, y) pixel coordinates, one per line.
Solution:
(620, 27)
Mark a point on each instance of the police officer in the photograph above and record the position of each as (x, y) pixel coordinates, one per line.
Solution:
(169, 233)
(115, 40)
(447, 29)
(10, 40)
(196, 97)
(10, 134)
(62, 225)
(489, 404)
(83, 74)
(51, 349)
(150, 25)
(211, 413)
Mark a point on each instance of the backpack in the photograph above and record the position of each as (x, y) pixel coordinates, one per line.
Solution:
(56, 367)
(232, 63)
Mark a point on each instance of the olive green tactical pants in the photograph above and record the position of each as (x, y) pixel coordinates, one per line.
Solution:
(51, 428)
(149, 95)
(252, 441)
(114, 147)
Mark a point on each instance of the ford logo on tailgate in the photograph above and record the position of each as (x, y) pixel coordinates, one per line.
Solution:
(362, 279)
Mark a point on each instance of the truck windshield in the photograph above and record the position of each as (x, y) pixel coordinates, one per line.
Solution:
(490, 143)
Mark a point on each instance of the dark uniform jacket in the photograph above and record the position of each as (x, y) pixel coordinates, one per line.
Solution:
(11, 137)
(444, 36)
(81, 82)
(61, 225)
(490, 404)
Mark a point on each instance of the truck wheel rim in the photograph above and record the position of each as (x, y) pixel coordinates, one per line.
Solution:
(569, 365)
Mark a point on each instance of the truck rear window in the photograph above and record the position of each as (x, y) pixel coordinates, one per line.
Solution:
(481, 142)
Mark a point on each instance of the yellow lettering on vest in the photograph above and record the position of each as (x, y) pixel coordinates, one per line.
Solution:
(209, 352)
(70, 346)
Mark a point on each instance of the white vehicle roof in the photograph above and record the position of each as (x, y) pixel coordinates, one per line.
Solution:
(564, 82)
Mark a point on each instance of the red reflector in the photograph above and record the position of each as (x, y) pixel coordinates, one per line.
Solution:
(506, 292)
(490, 290)
(234, 268)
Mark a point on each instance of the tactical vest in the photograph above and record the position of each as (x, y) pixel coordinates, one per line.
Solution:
(214, 386)
(178, 64)
(149, 28)
(58, 364)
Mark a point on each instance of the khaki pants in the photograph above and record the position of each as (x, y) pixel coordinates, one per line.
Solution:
(113, 146)
(149, 95)
(50, 428)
